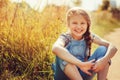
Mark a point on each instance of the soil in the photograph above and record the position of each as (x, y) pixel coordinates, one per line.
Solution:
(114, 70)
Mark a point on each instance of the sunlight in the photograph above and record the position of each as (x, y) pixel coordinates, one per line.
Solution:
(91, 4)
(27, 36)
(86, 4)
(16, 1)
(37, 4)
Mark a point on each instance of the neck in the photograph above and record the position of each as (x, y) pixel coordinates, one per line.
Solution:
(77, 38)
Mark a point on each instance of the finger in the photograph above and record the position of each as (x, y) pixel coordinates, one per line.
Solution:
(96, 70)
(93, 64)
(94, 67)
(87, 72)
(93, 60)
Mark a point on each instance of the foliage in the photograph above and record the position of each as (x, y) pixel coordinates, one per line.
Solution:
(105, 5)
(26, 37)
(115, 13)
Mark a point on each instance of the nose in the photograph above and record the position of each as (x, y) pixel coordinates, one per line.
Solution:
(79, 26)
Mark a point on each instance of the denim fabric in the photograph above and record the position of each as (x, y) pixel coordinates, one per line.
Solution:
(77, 49)
(99, 53)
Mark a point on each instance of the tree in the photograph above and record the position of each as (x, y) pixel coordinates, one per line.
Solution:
(105, 5)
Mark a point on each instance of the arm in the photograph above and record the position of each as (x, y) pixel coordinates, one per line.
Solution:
(111, 50)
(59, 50)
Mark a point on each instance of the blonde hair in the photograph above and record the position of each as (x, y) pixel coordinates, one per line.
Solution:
(77, 11)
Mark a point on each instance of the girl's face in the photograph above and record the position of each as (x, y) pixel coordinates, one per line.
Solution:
(78, 26)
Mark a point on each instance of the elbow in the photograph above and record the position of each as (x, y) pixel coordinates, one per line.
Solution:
(114, 48)
(54, 49)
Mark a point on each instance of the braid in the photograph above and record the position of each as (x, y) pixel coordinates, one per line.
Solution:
(88, 40)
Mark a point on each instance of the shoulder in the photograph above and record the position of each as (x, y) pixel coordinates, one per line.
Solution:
(65, 37)
(98, 40)
(93, 36)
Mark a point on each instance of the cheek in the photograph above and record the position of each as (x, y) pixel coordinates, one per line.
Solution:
(85, 27)
(71, 26)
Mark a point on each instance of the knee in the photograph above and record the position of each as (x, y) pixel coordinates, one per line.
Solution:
(104, 69)
(72, 72)
(69, 66)
(102, 50)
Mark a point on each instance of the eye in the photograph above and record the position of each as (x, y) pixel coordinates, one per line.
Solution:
(74, 22)
(82, 23)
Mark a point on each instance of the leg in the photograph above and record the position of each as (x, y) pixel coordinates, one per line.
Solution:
(103, 73)
(72, 72)
(58, 72)
(99, 53)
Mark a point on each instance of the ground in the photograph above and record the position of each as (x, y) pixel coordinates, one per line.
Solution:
(114, 70)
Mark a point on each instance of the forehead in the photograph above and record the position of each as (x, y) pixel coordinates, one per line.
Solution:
(77, 17)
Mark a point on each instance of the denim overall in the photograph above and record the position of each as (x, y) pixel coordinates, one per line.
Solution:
(77, 49)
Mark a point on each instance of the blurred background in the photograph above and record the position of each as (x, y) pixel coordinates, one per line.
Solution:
(28, 29)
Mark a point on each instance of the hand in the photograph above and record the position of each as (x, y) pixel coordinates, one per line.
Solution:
(99, 65)
(87, 66)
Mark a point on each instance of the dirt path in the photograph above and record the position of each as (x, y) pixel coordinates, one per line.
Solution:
(114, 71)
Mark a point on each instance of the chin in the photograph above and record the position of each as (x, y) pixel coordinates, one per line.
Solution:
(79, 35)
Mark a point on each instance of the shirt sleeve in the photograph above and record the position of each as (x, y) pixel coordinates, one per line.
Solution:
(92, 37)
(64, 38)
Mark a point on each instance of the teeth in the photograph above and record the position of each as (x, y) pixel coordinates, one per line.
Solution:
(79, 31)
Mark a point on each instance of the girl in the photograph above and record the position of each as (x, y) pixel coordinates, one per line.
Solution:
(73, 50)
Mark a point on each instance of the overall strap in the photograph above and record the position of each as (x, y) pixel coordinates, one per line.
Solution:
(67, 38)
(86, 54)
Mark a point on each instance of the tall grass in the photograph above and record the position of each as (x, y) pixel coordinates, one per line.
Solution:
(25, 42)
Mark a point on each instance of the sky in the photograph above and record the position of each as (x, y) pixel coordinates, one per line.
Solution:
(86, 4)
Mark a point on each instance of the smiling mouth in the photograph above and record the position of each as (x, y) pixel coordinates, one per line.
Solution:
(78, 31)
